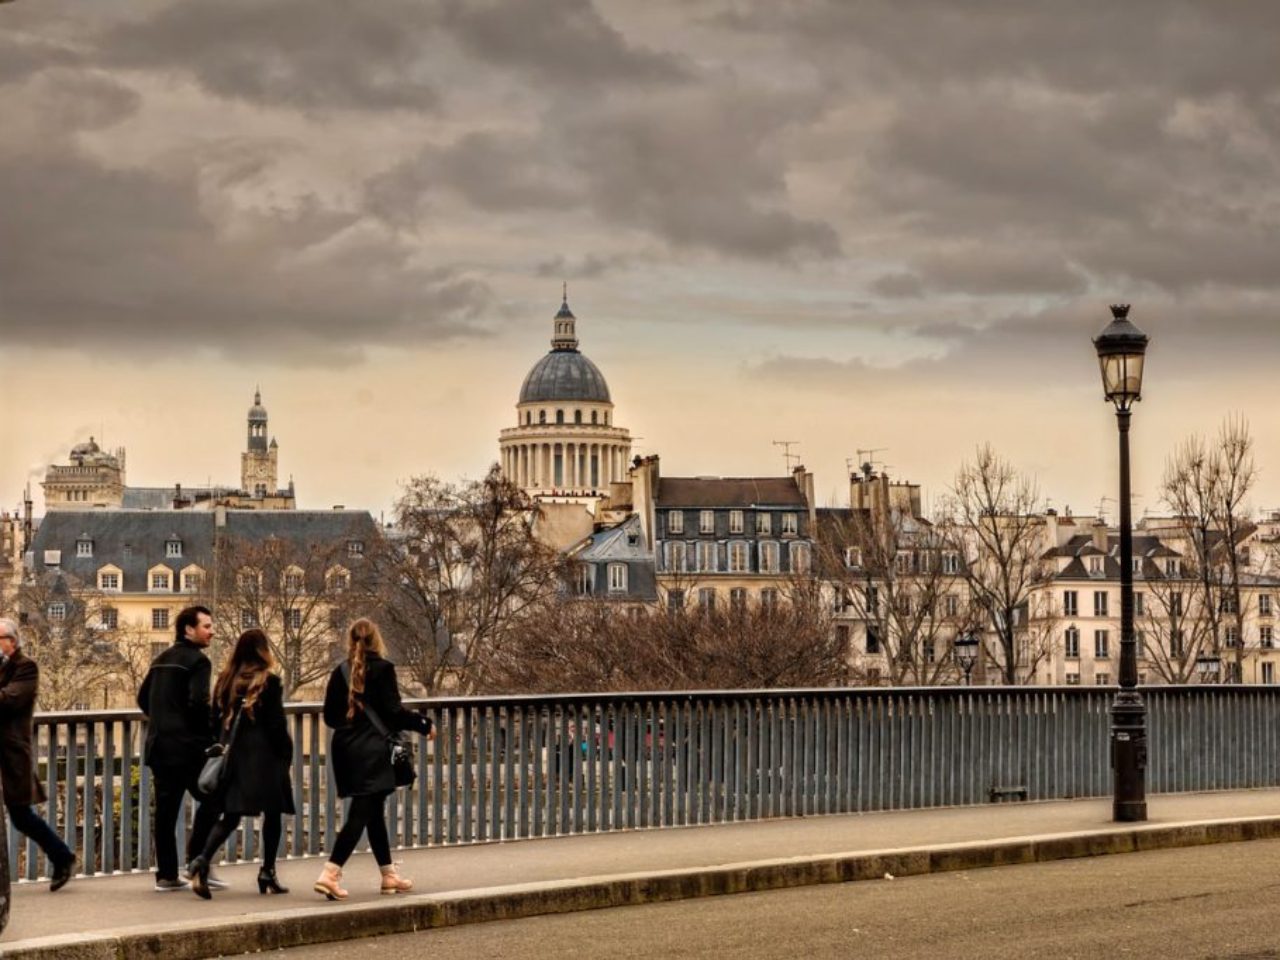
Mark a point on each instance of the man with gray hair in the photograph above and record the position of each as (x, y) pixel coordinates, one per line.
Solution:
(19, 681)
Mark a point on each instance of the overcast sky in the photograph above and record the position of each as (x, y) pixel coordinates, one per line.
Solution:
(850, 225)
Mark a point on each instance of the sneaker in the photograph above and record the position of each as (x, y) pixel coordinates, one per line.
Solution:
(165, 885)
(211, 881)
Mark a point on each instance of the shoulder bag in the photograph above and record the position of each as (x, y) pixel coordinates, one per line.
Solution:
(402, 768)
(214, 774)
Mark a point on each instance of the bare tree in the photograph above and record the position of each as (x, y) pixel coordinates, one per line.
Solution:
(994, 519)
(1206, 486)
(464, 573)
(300, 593)
(897, 576)
(62, 631)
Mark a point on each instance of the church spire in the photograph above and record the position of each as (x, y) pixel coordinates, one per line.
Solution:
(565, 336)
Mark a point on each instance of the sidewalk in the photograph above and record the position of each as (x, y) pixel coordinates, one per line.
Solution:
(121, 916)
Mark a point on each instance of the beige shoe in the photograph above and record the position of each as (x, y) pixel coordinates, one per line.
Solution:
(392, 882)
(329, 882)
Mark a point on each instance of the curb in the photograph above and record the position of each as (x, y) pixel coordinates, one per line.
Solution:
(407, 914)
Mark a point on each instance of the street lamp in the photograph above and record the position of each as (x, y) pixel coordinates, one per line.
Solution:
(965, 649)
(1207, 667)
(1121, 348)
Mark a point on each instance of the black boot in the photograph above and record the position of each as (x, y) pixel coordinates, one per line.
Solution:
(199, 871)
(268, 883)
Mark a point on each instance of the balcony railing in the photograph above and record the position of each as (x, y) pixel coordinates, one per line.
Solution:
(508, 768)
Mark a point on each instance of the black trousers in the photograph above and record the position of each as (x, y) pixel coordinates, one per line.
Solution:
(272, 828)
(170, 785)
(367, 813)
(25, 820)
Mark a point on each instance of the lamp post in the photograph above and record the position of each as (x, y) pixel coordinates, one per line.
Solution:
(965, 649)
(1207, 667)
(1121, 348)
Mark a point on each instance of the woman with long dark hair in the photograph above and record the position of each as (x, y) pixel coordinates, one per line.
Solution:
(360, 760)
(248, 711)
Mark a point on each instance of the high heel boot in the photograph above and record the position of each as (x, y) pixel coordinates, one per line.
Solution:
(199, 870)
(330, 882)
(268, 882)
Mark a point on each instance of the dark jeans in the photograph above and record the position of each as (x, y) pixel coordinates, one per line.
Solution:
(226, 826)
(366, 813)
(26, 820)
(170, 785)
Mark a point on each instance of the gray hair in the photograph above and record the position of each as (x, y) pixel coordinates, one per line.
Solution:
(10, 627)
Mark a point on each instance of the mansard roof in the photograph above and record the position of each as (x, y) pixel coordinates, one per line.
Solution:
(729, 492)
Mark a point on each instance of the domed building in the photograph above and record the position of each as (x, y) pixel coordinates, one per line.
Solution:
(565, 443)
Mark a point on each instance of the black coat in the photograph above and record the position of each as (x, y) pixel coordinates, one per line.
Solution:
(359, 757)
(175, 698)
(19, 680)
(258, 766)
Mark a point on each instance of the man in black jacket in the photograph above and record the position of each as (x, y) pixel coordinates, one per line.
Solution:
(175, 698)
(19, 681)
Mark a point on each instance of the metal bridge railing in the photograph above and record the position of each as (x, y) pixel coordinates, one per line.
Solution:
(507, 768)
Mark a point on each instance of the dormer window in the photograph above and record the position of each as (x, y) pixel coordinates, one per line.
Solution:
(789, 525)
(84, 547)
(160, 580)
(173, 547)
(355, 548)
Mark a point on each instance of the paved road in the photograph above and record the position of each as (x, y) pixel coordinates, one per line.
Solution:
(1220, 902)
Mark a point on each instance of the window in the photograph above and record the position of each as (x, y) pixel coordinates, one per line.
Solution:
(159, 618)
(339, 580)
(1138, 603)
(951, 562)
(873, 639)
(1264, 604)
(676, 556)
(930, 652)
(1070, 604)
(1231, 636)
(1173, 567)
(1102, 644)
(739, 556)
(1266, 638)
(1268, 673)
(675, 521)
(158, 647)
(595, 417)
(902, 562)
(769, 556)
(1099, 603)
(852, 557)
(355, 548)
(247, 580)
(789, 525)
(577, 416)
(1175, 643)
(708, 556)
(173, 548)
(192, 582)
(84, 548)
(110, 618)
(768, 599)
(582, 581)
(872, 604)
(617, 578)
(675, 599)
(293, 618)
(57, 611)
(293, 581)
(707, 598)
(109, 581)
(1073, 679)
(248, 619)
(951, 603)
(706, 521)
(1095, 566)
(764, 523)
(801, 557)
(842, 638)
(842, 600)
(1175, 604)
(542, 416)
(738, 599)
(1137, 565)
(559, 416)
(159, 581)
(1227, 604)
(1071, 644)
(1102, 679)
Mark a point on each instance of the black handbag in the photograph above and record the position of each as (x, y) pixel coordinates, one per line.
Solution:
(213, 776)
(403, 771)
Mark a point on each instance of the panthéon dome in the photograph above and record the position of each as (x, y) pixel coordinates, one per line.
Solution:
(564, 374)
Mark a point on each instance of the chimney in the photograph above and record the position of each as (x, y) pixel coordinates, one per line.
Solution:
(220, 515)
(804, 481)
(644, 475)
(28, 524)
(1100, 531)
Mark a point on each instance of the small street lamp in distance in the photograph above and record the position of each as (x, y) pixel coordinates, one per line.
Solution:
(1208, 666)
(965, 649)
(1122, 350)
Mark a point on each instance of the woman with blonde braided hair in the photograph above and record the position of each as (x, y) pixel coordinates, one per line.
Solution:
(360, 759)
(248, 713)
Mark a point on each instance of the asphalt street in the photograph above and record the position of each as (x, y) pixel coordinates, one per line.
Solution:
(1220, 902)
